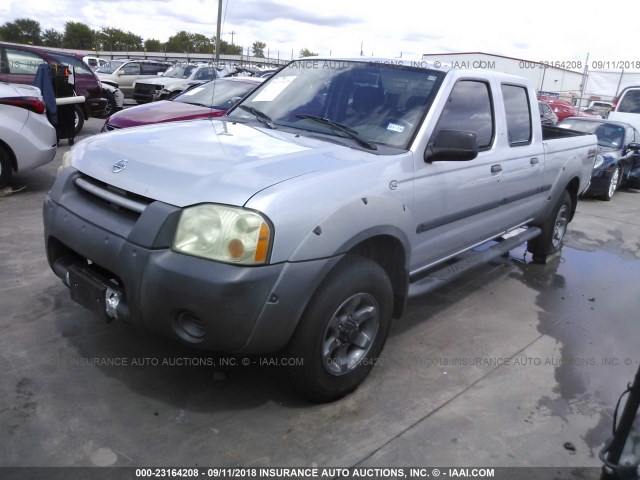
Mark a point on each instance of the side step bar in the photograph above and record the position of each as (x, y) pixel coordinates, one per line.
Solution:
(468, 262)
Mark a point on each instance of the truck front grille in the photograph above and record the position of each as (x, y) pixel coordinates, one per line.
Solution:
(112, 196)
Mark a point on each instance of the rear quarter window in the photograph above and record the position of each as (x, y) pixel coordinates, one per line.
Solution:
(21, 62)
(518, 114)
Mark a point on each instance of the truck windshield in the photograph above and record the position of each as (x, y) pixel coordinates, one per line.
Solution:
(382, 103)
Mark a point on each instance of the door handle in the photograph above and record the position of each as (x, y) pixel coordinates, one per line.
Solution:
(496, 168)
(535, 161)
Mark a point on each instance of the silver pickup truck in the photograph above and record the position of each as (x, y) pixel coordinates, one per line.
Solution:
(302, 221)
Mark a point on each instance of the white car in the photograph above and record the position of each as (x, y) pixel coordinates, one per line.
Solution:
(627, 108)
(27, 139)
(94, 62)
(125, 72)
(173, 82)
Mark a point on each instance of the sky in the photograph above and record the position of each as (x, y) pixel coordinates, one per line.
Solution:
(547, 31)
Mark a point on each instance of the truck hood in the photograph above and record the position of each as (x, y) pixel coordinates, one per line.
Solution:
(185, 163)
(163, 81)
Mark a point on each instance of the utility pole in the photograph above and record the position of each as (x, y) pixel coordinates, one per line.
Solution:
(218, 45)
(232, 34)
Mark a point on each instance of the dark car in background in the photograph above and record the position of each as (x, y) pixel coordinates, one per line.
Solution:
(211, 99)
(19, 64)
(618, 160)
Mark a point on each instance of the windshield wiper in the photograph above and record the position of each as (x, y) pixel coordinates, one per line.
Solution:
(261, 116)
(342, 128)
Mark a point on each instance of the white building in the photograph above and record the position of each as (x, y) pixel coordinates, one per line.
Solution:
(565, 79)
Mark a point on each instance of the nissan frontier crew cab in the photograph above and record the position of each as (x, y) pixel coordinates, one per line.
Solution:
(302, 221)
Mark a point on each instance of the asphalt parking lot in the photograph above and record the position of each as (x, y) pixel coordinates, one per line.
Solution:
(518, 365)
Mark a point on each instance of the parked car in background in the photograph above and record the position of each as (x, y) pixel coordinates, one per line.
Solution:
(627, 108)
(602, 107)
(618, 157)
(125, 72)
(590, 112)
(212, 99)
(19, 63)
(94, 62)
(173, 82)
(27, 139)
(112, 95)
(561, 108)
(547, 117)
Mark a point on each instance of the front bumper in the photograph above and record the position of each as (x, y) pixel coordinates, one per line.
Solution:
(599, 184)
(95, 106)
(146, 93)
(92, 246)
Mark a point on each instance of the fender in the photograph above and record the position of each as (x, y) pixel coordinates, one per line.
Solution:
(353, 223)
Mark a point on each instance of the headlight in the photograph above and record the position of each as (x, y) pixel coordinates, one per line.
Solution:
(599, 161)
(223, 233)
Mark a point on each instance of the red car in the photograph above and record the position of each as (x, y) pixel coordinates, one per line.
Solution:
(211, 99)
(564, 109)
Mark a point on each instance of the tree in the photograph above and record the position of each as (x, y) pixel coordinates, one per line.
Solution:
(78, 35)
(201, 44)
(226, 48)
(52, 38)
(305, 52)
(258, 49)
(180, 42)
(22, 30)
(152, 45)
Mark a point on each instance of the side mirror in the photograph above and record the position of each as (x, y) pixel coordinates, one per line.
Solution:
(119, 72)
(634, 146)
(452, 145)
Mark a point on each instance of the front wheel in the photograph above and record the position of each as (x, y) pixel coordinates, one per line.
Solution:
(111, 105)
(553, 230)
(342, 331)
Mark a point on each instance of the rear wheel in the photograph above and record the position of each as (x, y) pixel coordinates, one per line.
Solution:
(342, 331)
(613, 185)
(553, 230)
(79, 119)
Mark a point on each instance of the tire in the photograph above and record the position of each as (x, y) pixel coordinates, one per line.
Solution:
(342, 331)
(5, 168)
(79, 119)
(614, 182)
(553, 230)
(111, 106)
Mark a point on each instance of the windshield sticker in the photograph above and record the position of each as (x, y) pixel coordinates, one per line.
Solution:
(193, 91)
(392, 127)
(273, 89)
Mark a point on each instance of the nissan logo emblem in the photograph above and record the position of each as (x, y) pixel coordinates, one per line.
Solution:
(119, 166)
